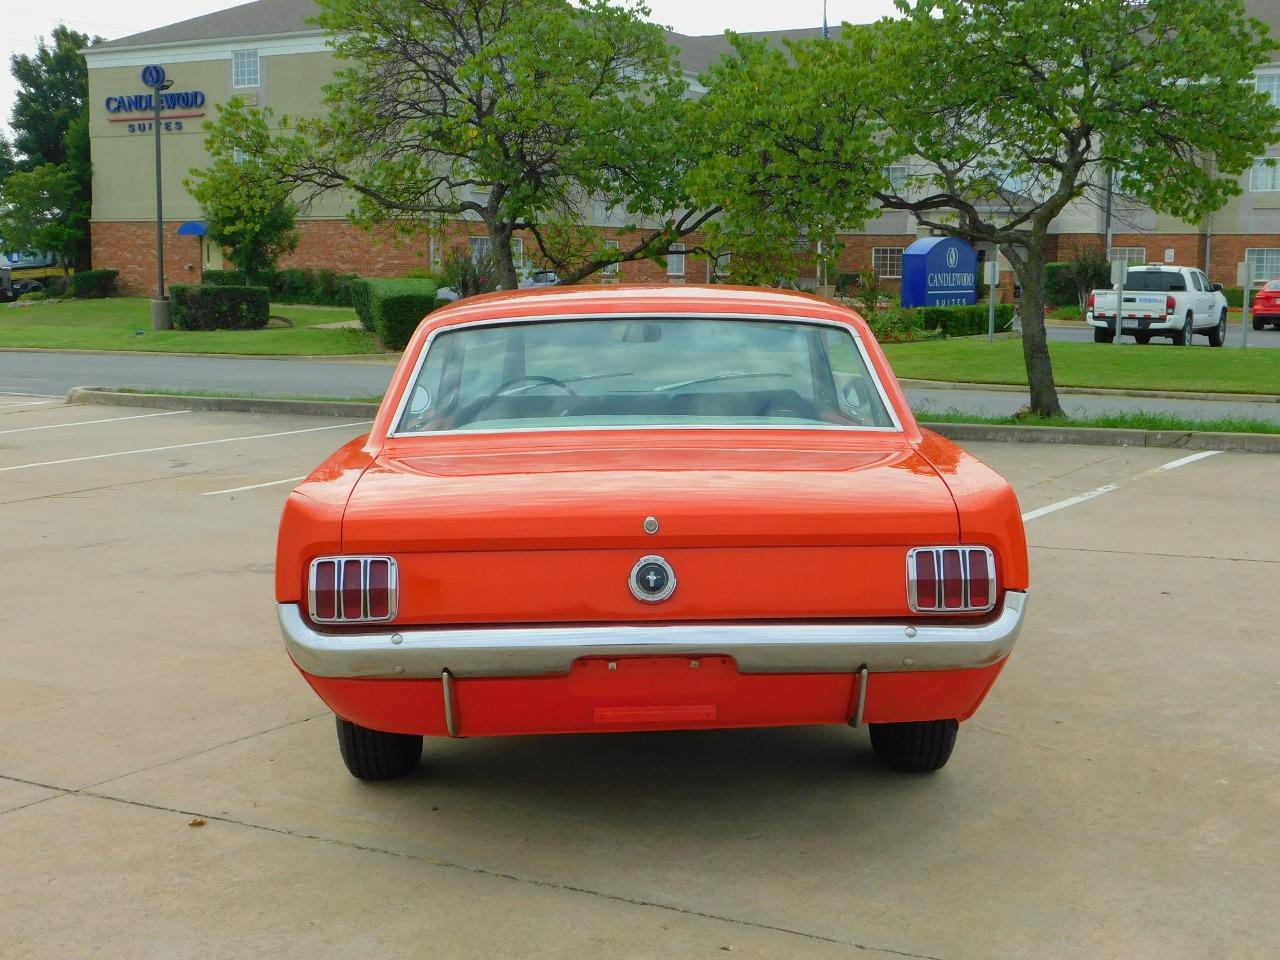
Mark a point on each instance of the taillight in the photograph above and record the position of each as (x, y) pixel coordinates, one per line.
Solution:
(1092, 299)
(1170, 305)
(353, 589)
(951, 579)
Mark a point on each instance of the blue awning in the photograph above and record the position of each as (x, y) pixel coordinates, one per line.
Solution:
(192, 228)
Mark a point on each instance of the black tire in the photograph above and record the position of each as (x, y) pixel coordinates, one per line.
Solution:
(1183, 337)
(1102, 336)
(374, 755)
(917, 747)
(1218, 335)
(1142, 338)
(1259, 324)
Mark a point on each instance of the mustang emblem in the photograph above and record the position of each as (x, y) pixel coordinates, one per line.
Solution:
(652, 580)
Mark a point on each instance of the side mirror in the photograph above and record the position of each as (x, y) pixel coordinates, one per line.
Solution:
(1215, 287)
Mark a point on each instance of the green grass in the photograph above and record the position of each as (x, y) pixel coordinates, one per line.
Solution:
(113, 324)
(222, 394)
(1128, 366)
(1121, 421)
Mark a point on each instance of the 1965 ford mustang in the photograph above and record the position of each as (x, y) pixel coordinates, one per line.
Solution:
(641, 508)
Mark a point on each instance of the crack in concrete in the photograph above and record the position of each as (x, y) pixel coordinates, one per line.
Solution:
(1162, 556)
(465, 868)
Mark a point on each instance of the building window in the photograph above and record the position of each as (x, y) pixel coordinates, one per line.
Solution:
(1264, 263)
(675, 260)
(720, 267)
(887, 262)
(1127, 254)
(1269, 83)
(611, 269)
(239, 156)
(897, 174)
(244, 68)
(433, 253)
(481, 249)
(1265, 176)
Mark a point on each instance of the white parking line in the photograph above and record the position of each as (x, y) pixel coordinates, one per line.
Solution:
(1099, 491)
(29, 403)
(85, 423)
(254, 486)
(182, 446)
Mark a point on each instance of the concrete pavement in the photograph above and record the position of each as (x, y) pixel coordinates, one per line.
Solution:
(1114, 798)
(1258, 339)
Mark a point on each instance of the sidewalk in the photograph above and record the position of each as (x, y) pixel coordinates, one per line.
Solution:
(1001, 403)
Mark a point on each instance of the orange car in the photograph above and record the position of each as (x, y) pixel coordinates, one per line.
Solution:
(642, 508)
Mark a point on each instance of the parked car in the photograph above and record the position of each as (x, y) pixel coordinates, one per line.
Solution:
(1266, 306)
(540, 278)
(636, 509)
(1162, 301)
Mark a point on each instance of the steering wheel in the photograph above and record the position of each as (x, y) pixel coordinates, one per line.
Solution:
(505, 389)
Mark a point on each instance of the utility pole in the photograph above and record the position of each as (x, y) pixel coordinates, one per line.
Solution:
(154, 77)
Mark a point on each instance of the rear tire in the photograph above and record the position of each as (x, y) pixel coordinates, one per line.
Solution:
(1142, 338)
(1218, 335)
(1258, 324)
(1182, 338)
(1102, 336)
(917, 747)
(375, 755)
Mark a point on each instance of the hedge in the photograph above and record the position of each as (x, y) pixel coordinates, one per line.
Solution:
(963, 321)
(362, 300)
(211, 307)
(397, 307)
(324, 288)
(1060, 285)
(94, 283)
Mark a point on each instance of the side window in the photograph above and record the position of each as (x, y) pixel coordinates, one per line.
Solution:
(1195, 281)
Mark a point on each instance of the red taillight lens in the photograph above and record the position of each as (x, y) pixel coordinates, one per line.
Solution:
(353, 589)
(1170, 304)
(324, 590)
(957, 579)
(1092, 299)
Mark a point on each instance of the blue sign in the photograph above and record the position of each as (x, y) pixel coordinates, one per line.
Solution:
(939, 272)
(153, 76)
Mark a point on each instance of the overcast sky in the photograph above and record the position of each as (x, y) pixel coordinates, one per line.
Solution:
(24, 22)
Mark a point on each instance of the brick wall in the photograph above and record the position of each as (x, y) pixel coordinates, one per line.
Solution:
(1188, 248)
(1228, 250)
(130, 247)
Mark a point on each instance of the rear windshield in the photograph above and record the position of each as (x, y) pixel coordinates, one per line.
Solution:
(645, 372)
(1155, 281)
(1272, 285)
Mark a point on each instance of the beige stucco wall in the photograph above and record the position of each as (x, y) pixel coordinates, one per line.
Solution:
(124, 152)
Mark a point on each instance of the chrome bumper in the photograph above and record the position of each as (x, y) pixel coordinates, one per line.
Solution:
(756, 647)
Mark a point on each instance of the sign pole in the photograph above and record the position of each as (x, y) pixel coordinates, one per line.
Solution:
(154, 77)
(992, 270)
(1119, 270)
(1248, 313)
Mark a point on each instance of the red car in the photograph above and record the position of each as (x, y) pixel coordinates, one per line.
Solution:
(648, 508)
(1266, 306)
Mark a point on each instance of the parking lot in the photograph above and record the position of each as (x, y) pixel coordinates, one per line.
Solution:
(1115, 797)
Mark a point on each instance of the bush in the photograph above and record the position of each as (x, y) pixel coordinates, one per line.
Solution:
(56, 286)
(362, 300)
(223, 278)
(1234, 295)
(323, 288)
(963, 321)
(211, 307)
(94, 283)
(397, 307)
(1060, 285)
(31, 296)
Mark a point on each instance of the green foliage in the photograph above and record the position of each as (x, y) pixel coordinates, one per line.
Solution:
(1059, 285)
(1234, 295)
(362, 301)
(963, 321)
(31, 296)
(535, 105)
(468, 275)
(397, 307)
(246, 212)
(41, 209)
(53, 90)
(200, 307)
(223, 278)
(898, 325)
(7, 163)
(93, 283)
(867, 292)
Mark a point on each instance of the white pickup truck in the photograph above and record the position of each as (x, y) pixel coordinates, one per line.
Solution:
(1161, 300)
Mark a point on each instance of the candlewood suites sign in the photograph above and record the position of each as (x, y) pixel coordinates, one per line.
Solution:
(138, 109)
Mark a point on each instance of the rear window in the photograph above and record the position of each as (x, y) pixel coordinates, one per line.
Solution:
(1272, 285)
(1155, 281)
(643, 372)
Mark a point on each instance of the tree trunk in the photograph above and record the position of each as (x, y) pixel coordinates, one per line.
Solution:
(503, 261)
(1035, 346)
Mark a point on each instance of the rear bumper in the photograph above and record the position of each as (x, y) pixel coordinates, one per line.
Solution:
(1163, 324)
(772, 648)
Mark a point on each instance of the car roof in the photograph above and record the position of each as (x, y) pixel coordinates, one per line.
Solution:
(602, 301)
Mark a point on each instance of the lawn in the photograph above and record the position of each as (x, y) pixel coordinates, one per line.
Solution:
(1121, 421)
(124, 323)
(1128, 366)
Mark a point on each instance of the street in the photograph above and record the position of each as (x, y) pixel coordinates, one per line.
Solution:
(170, 786)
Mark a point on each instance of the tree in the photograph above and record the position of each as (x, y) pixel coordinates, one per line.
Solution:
(517, 114)
(7, 163)
(41, 210)
(1009, 110)
(1004, 112)
(53, 90)
(247, 212)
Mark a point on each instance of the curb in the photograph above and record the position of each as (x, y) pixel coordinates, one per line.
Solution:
(387, 358)
(1096, 391)
(162, 401)
(1109, 437)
